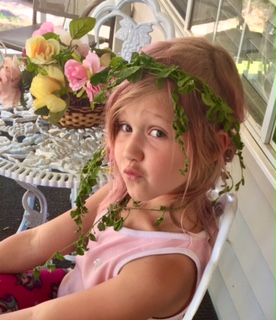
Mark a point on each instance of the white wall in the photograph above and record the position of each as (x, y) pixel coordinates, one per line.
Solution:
(243, 286)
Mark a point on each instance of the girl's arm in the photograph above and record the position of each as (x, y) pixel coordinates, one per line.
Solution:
(156, 286)
(30, 248)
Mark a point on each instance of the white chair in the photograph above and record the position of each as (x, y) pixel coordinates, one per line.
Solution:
(67, 9)
(131, 29)
(228, 204)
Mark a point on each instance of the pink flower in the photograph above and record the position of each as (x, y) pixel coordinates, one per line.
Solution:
(45, 28)
(83, 49)
(10, 77)
(92, 63)
(82, 45)
(79, 73)
(76, 74)
(91, 90)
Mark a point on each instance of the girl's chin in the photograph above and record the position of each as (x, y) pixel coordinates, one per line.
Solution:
(142, 197)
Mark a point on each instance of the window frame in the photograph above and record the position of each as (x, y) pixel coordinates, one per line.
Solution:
(263, 135)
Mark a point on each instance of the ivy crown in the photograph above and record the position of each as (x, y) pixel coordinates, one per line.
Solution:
(218, 113)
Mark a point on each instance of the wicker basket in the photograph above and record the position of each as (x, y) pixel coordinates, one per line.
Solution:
(82, 116)
(79, 114)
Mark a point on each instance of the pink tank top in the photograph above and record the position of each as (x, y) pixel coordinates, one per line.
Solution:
(113, 249)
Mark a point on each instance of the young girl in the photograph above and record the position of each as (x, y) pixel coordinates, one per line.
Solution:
(145, 270)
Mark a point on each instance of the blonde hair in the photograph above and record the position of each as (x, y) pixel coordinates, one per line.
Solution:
(203, 147)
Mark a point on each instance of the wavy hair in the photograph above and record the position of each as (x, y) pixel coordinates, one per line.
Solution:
(206, 153)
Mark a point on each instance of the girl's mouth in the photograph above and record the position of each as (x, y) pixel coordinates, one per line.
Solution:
(132, 174)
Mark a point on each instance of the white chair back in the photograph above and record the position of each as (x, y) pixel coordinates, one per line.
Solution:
(228, 203)
(134, 35)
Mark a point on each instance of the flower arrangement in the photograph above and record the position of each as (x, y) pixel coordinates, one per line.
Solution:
(57, 65)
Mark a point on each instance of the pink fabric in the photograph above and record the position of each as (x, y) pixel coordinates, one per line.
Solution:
(113, 250)
(19, 291)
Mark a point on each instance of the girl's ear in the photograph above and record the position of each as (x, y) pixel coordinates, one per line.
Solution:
(227, 147)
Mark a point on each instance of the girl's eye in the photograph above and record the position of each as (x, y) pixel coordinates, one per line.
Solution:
(126, 127)
(158, 133)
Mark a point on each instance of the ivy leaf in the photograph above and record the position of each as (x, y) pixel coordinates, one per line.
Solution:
(132, 74)
(80, 251)
(36, 273)
(100, 77)
(187, 88)
(101, 226)
(119, 224)
(166, 72)
(59, 256)
(92, 237)
(159, 221)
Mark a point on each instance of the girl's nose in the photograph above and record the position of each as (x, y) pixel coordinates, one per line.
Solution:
(133, 150)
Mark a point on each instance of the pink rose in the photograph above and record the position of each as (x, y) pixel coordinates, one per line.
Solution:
(10, 77)
(92, 63)
(79, 74)
(46, 27)
(83, 49)
(76, 74)
(91, 90)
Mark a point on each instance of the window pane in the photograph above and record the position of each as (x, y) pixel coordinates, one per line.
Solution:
(247, 30)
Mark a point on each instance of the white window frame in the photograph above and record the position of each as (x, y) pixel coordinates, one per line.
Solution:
(261, 134)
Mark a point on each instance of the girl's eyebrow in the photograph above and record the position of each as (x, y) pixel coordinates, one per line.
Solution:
(159, 116)
(153, 114)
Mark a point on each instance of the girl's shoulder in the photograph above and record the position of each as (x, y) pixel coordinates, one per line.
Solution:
(170, 279)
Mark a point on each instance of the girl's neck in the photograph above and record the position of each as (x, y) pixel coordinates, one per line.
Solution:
(175, 217)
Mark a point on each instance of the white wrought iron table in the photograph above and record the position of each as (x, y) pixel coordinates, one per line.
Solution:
(36, 153)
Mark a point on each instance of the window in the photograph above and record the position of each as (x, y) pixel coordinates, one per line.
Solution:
(246, 28)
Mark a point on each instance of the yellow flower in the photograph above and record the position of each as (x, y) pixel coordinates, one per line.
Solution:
(40, 50)
(45, 90)
(55, 73)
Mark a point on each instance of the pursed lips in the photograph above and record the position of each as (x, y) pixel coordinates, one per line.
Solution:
(132, 174)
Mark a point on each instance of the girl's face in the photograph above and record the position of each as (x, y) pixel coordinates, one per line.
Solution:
(146, 153)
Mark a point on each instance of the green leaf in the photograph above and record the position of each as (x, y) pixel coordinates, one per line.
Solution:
(159, 221)
(36, 272)
(51, 35)
(117, 62)
(208, 99)
(100, 97)
(133, 74)
(92, 237)
(187, 88)
(80, 251)
(54, 117)
(183, 80)
(75, 212)
(118, 225)
(44, 111)
(100, 77)
(81, 26)
(101, 226)
(166, 72)
(59, 256)
(163, 208)
(51, 267)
